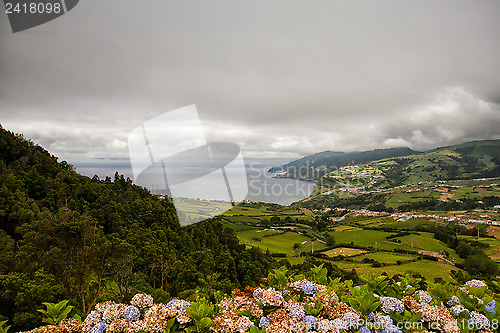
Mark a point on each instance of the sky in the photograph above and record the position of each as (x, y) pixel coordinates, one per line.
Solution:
(279, 78)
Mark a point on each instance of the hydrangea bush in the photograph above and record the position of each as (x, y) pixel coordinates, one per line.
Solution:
(299, 304)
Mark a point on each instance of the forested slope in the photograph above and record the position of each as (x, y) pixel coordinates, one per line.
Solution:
(66, 236)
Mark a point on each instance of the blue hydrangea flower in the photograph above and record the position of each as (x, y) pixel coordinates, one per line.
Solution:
(132, 313)
(184, 304)
(491, 307)
(296, 311)
(407, 287)
(383, 320)
(310, 321)
(454, 300)
(371, 316)
(391, 304)
(175, 300)
(475, 283)
(479, 321)
(309, 288)
(351, 319)
(423, 296)
(264, 322)
(423, 303)
(457, 309)
(257, 292)
(99, 328)
(365, 329)
(93, 317)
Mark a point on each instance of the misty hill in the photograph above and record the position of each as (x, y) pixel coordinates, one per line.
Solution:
(316, 165)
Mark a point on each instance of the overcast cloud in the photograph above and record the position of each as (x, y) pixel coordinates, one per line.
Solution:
(280, 78)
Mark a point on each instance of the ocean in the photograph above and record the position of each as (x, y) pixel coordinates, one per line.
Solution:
(262, 187)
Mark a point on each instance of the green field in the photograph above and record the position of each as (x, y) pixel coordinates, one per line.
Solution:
(367, 238)
(428, 269)
(385, 257)
(248, 235)
(493, 251)
(345, 251)
(410, 224)
(248, 220)
(279, 243)
(255, 213)
(243, 219)
(425, 241)
(196, 208)
(399, 198)
(345, 228)
(238, 226)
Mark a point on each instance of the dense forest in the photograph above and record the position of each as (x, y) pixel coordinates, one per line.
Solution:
(67, 236)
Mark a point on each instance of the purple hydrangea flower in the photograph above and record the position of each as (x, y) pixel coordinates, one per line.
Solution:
(309, 288)
(132, 313)
(391, 304)
(172, 302)
(383, 320)
(94, 317)
(371, 316)
(423, 296)
(264, 322)
(479, 320)
(454, 300)
(310, 321)
(475, 283)
(457, 309)
(99, 328)
(296, 311)
(407, 287)
(491, 307)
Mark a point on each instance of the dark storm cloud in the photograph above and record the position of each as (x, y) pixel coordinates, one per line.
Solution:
(279, 78)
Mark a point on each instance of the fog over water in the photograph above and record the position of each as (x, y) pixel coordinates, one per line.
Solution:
(261, 184)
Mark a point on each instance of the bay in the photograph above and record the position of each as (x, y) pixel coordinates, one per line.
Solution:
(262, 186)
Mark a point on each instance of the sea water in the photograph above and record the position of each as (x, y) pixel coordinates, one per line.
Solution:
(262, 185)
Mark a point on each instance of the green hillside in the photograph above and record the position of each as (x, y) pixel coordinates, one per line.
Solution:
(316, 165)
(478, 159)
(472, 160)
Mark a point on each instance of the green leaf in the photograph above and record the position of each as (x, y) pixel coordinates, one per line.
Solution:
(254, 329)
(3, 328)
(55, 313)
(206, 323)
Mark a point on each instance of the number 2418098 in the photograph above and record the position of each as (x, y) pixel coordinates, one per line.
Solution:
(33, 8)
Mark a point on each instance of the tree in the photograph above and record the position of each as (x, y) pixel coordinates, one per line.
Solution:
(275, 219)
(463, 249)
(330, 241)
(72, 248)
(481, 265)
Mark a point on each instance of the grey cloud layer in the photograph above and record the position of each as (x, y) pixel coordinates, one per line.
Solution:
(281, 78)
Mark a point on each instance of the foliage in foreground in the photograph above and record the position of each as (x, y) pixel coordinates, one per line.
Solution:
(312, 303)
